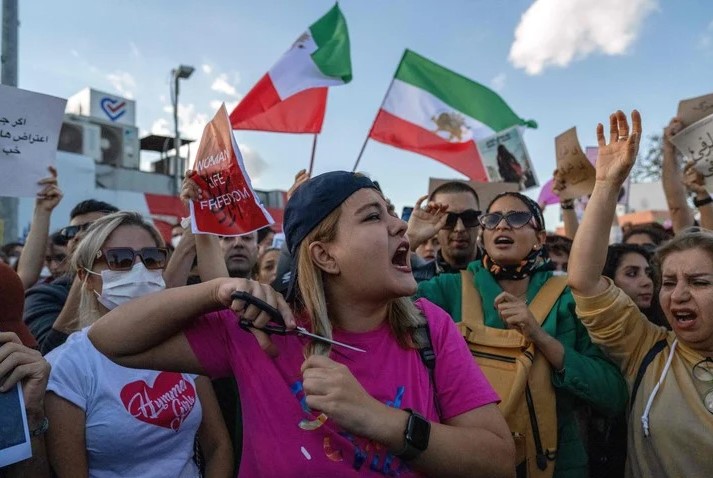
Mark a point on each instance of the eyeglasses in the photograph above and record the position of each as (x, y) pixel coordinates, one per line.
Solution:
(122, 258)
(703, 372)
(515, 219)
(469, 218)
(70, 232)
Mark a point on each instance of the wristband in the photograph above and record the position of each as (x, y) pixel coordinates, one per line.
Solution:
(702, 202)
(567, 204)
(186, 222)
(41, 428)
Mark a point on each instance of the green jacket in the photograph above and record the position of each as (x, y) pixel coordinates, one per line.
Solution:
(589, 376)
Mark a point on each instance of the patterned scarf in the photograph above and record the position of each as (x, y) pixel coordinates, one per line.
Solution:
(534, 261)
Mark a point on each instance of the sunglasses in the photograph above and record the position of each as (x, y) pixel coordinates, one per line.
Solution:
(703, 372)
(122, 258)
(70, 232)
(515, 219)
(469, 217)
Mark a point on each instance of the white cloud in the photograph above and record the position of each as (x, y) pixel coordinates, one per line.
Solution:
(221, 85)
(555, 32)
(229, 105)
(134, 50)
(207, 69)
(498, 82)
(161, 127)
(123, 83)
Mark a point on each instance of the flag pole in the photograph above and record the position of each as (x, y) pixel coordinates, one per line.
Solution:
(314, 148)
(363, 146)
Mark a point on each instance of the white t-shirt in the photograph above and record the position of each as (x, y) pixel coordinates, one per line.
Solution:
(139, 423)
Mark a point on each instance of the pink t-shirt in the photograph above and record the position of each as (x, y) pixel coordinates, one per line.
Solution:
(282, 437)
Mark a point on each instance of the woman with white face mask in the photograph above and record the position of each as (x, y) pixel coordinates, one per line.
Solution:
(107, 420)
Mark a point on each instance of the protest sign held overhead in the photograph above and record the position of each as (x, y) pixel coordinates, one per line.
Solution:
(575, 175)
(505, 158)
(696, 143)
(29, 132)
(695, 109)
(229, 206)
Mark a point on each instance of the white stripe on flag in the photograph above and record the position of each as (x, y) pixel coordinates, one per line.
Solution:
(420, 107)
(296, 71)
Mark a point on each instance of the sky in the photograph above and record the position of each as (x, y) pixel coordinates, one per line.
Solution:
(563, 63)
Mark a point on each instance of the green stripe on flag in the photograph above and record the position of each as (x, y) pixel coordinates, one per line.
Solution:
(464, 95)
(332, 38)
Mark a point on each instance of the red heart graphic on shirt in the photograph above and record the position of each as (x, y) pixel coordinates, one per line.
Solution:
(166, 404)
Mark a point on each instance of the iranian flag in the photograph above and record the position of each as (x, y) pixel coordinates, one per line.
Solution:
(292, 96)
(433, 111)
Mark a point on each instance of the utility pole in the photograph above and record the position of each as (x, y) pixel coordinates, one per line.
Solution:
(10, 23)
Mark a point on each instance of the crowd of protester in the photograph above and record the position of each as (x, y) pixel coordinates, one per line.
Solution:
(342, 349)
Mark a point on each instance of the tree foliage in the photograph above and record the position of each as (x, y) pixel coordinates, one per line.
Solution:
(648, 165)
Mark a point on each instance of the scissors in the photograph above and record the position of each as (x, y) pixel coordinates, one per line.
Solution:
(276, 325)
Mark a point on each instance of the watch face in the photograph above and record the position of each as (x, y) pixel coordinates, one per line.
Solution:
(419, 431)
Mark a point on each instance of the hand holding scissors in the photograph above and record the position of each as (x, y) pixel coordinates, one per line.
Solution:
(276, 324)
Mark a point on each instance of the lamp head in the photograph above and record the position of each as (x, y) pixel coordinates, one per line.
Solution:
(184, 71)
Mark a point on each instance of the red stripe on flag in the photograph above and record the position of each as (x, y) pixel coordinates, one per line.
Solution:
(263, 110)
(462, 157)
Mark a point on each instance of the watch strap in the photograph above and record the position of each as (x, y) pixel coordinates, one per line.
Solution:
(41, 428)
(412, 448)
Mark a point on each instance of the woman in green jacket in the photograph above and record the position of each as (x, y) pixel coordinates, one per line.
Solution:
(511, 273)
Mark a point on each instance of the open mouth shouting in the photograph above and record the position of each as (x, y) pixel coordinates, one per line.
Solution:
(400, 259)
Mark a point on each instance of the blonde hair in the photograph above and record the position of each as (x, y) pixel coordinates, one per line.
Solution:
(402, 315)
(89, 247)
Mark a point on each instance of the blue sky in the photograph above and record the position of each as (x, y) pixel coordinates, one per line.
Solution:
(609, 54)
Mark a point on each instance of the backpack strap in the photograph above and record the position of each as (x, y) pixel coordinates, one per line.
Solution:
(648, 358)
(421, 336)
(472, 304)
(546, 297)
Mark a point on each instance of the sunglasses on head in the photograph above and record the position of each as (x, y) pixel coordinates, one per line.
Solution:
(469, 217)
(70, 232)
(122, 258)
(515, 219)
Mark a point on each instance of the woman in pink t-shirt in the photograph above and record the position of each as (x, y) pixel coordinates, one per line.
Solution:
(372, 408)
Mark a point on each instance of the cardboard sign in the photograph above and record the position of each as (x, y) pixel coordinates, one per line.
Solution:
(29, 133)
(486, 191)
(14, 432)
(695, 109)
(574, 170)
(506, 159)
(229, 206)
(696, 143)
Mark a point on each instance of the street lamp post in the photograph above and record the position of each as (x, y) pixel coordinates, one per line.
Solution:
(184, 72)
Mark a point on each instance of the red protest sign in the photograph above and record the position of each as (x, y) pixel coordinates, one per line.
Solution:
(229, 206)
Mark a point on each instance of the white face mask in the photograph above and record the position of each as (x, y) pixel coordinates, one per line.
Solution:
(119, 287)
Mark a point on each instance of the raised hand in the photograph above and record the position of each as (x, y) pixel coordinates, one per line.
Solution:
(190, 191)
(694, 180)
(51, 194)
(615, 160)
(674, 127)
(425, 221)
